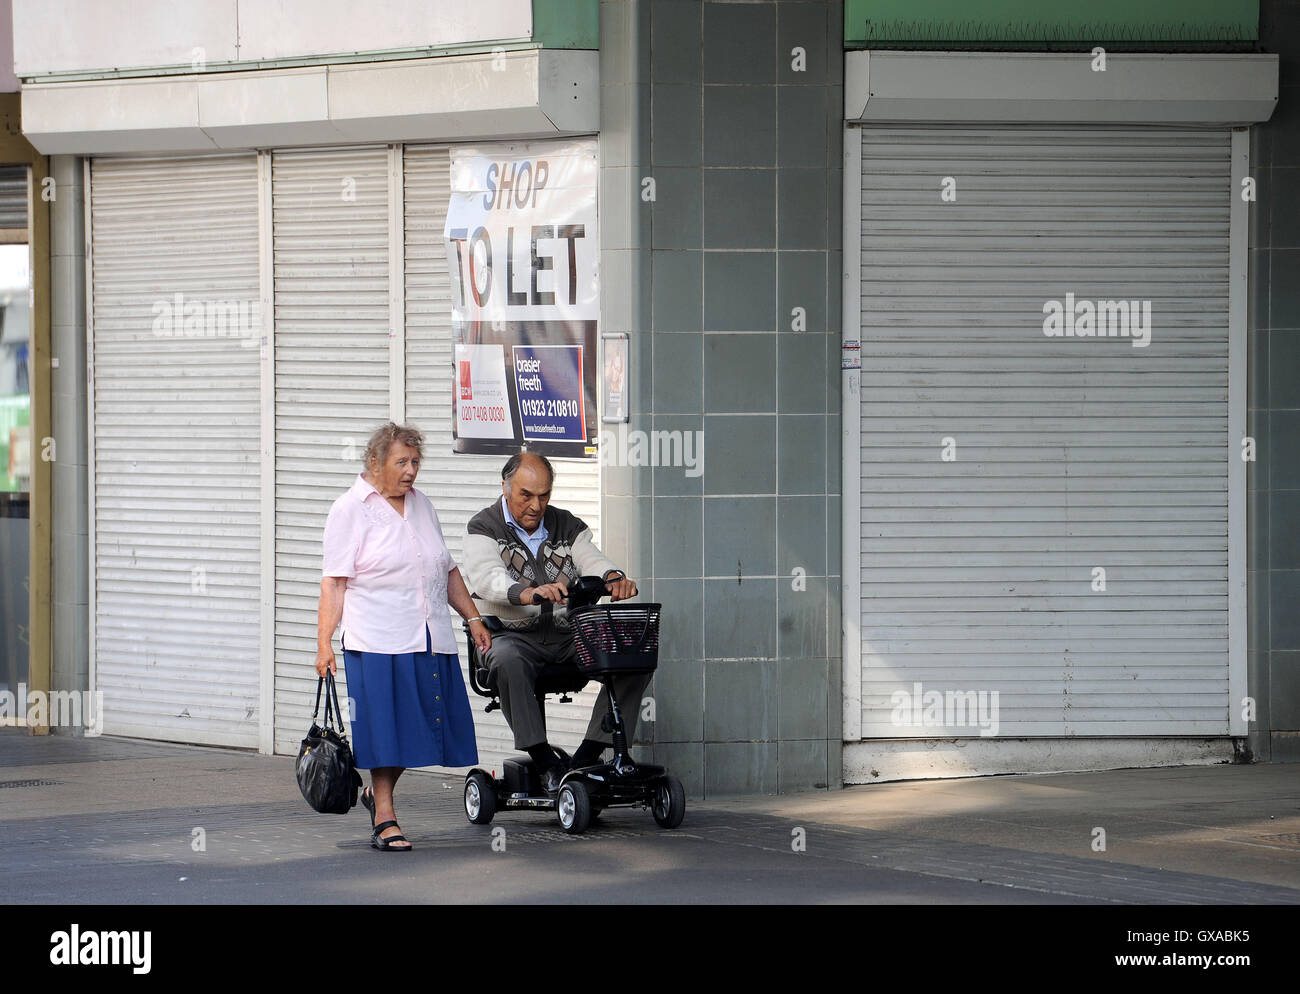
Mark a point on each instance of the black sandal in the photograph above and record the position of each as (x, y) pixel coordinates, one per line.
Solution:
(385, 845)
(368, 804)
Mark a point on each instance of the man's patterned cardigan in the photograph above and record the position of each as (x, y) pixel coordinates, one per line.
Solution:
(498, 565)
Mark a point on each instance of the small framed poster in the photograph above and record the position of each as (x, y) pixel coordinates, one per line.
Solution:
(614, 378)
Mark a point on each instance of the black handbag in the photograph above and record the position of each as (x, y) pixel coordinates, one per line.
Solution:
(327, 771)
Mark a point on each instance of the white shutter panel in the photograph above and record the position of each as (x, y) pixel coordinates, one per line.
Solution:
(330, 216)
(460, 485)
(176, 440)
(1071, 453)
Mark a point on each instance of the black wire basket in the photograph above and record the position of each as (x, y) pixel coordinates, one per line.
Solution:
(616, 638)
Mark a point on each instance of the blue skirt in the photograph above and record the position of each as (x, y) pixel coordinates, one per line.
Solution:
(409, 709)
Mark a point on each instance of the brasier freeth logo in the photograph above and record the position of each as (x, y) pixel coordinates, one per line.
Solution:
(466, 382)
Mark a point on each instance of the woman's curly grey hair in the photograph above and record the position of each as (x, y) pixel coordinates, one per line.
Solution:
(383, 438)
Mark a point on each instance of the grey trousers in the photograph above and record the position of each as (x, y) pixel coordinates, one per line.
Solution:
(515, 659)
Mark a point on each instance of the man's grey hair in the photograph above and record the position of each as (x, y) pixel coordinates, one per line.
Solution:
(383, 438)
(515, 461)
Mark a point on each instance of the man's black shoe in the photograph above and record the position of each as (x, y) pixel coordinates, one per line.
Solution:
(587, 754)
(551, 779)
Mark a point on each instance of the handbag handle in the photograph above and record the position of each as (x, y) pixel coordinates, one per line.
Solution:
(331, 693)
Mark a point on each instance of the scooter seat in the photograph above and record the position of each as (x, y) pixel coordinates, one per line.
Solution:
(553, 679)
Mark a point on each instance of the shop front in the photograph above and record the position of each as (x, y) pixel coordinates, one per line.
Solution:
(1044, 410)
(266, 284)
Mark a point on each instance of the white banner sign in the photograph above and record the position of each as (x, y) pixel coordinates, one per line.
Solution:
(522, 253)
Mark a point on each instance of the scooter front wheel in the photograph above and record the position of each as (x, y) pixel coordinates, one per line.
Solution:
(669, 807)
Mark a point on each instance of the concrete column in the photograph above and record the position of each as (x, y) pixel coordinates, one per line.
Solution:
(71, 514)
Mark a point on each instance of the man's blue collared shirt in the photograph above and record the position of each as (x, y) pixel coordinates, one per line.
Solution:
(533, 541)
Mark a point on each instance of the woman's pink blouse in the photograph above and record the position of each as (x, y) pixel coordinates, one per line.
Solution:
(397, 567)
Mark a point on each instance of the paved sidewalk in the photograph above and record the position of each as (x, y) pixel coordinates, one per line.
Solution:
(115, 821)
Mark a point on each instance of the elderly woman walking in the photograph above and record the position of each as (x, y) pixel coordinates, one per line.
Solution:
(388, 577)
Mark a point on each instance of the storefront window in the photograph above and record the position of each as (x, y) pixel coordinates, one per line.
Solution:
(15, 463)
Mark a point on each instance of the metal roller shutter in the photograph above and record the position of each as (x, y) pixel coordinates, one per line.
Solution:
(460, 485)
(330, 229)
(13, 199)
(1071, 454)
(176, 441)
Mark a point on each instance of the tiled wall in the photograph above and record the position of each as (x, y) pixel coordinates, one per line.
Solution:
(744, 151)
(1273, 481)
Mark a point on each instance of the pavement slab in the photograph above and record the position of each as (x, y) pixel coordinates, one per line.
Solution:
(117, 821)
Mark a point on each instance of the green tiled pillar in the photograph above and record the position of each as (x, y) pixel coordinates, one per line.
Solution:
(720, 152)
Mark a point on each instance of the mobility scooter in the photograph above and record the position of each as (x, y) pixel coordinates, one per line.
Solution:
(609, 640)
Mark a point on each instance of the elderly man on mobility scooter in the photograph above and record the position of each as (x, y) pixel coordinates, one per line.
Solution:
(519, 548)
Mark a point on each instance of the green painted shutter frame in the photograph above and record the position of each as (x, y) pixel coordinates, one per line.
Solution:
(567, 23)
(942, 23)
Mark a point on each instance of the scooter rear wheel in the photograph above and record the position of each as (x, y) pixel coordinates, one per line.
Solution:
(573, 807)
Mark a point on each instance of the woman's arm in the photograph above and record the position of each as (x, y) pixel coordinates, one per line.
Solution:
(460, 600)
(329, 612)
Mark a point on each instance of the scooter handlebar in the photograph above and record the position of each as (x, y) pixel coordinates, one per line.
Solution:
(539, 599)
(586, 589)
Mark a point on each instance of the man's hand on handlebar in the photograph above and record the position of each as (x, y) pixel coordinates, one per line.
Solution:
(555, 592)
(621, 589)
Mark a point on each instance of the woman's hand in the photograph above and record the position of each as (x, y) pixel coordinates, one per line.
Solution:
(325, 661)
(482, 637)
(463, 604)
